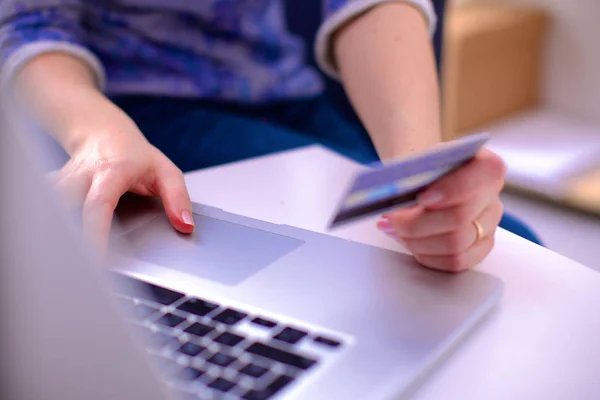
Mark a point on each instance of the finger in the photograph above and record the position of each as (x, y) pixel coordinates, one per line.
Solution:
(57, 175)
(459, 240)
(431, 222)
(485, 173)
(459, 262)
(99, 206)
(389, 222)
(176, 199)
(74, 188)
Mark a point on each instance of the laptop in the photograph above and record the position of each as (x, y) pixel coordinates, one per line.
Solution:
(242, 309)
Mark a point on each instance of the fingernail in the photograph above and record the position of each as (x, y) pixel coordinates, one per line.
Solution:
(430, 198)
(386, 227)
(186, 216)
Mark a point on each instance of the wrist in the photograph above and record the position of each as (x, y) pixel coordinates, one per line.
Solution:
(80, 124)
(398, 136)
(97, 120)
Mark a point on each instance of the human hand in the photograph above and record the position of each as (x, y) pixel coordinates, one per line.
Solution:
(452, 228)
(115, 158)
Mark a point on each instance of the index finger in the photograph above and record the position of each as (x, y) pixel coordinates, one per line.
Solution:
(484, 173)
(99, 207)
(176, 199)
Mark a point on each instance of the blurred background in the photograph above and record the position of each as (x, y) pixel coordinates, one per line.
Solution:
(528, 71)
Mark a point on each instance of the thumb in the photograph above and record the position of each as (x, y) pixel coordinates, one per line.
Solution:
(176, 199)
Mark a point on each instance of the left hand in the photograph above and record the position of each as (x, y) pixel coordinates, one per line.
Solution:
(441, 231)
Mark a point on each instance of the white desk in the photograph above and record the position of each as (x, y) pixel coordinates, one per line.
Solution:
(542, 342)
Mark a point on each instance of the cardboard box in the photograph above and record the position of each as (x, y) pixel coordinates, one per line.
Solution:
(492, 64)
(584, 192)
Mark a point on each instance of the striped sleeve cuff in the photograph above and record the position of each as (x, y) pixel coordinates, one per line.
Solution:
(25, 53)
(323, 50)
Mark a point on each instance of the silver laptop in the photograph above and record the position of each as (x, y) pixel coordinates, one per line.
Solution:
(242, 309)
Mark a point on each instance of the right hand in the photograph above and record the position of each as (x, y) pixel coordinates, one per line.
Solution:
(115, 159)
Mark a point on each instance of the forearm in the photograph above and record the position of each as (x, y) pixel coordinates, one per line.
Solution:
(387, 66)
(44, 58)
(62, 93)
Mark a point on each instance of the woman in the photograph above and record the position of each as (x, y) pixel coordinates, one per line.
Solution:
(137, 90)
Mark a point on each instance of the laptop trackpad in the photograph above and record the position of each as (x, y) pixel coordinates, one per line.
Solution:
(221, 251)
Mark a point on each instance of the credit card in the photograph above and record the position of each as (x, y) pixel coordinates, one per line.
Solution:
(397, 184)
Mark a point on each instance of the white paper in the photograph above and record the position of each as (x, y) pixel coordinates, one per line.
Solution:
(542, 150)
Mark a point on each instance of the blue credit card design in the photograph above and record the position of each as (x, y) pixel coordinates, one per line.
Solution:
(398, 184)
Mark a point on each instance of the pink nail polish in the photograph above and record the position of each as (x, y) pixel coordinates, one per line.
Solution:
(186, 216)
(386, 227)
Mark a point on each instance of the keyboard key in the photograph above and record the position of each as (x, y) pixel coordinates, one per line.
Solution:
(278, 384)
(229, 339)
(222, 385)
(165, 296)
(191, 374)
(221, 359)
(191, 349)
(264, 322)
(148, 291)
(171, 320)
(199, 329)
(290, 335)
(198, 307)
(253, 370)
(284, 357)
(230, 316)
(327, 342)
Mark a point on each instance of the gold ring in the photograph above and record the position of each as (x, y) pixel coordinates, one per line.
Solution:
(479, 230)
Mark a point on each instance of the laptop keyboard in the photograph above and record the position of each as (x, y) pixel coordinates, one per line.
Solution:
(209, 351)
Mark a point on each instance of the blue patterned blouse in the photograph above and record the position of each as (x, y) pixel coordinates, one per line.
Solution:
(235, 50)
